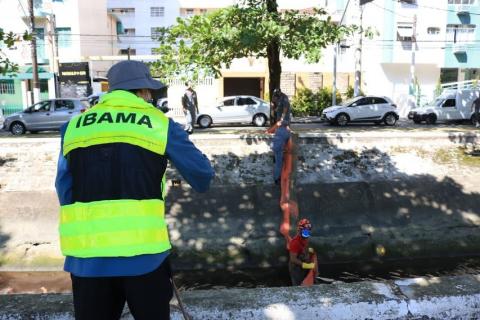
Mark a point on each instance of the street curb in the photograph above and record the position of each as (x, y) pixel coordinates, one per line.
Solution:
(431, 298)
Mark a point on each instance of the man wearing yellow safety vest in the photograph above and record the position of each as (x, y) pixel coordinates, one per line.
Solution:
(111, 186)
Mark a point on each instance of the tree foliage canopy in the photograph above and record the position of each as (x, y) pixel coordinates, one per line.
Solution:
(8, 40)
(203, 44)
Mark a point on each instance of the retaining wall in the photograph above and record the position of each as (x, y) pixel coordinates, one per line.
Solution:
(414, 194)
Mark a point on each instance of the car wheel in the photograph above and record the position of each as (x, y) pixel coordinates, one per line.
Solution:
(259, 120)
(342, 119)
(17, 128)
(431, 119)
(204, 122)
(390, 119)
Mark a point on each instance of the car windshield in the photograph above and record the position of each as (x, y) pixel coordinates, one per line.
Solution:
(349, 101)
(439, 101)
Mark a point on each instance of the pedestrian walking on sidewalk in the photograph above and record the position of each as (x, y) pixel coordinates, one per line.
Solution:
(476, 107)
(282, 130)
(111, 187)
(190, 107)
(301, 255)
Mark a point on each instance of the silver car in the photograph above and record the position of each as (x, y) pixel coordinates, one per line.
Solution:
(235, 109)
(44, 115)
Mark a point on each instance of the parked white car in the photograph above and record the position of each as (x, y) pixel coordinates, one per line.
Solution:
(235, 109)
(363, 109)
(451, 105)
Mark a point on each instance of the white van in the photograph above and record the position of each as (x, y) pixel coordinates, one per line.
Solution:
(451, 105)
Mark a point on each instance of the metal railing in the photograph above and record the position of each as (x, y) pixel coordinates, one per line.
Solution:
(9, 109)
(469, 84)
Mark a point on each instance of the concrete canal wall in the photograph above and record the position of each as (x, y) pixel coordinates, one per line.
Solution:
(413, 194)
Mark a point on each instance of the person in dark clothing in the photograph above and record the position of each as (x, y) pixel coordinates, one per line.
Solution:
(190, 107)
(281, 106)
(111, 187)
(476, 107)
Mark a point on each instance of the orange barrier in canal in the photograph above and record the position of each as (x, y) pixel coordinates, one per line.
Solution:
(288, 205)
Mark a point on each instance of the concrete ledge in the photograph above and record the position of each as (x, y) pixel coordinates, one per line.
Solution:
(420, 298)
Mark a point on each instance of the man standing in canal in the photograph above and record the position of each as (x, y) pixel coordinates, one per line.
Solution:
(302, 257)
(111, 186)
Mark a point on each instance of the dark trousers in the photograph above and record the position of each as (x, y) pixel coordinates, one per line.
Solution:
(103, 298)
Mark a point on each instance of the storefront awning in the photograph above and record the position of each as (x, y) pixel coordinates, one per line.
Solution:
(26, 74)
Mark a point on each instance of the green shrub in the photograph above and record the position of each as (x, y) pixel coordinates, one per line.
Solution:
(307, 103)
(350, 92)
(303, 102)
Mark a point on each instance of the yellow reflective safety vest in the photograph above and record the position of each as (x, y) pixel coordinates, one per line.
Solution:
(122, 227)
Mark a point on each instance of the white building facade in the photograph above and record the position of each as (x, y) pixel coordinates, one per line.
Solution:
(66, 31)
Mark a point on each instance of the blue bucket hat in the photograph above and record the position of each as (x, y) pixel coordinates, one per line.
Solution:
(131, 75)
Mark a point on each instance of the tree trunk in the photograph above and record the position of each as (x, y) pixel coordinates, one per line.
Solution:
(274, 66)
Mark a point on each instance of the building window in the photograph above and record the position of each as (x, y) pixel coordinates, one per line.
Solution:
(433, 30)
(123, 11)
(409, 1)
(64, 37)
(189, 12)
(43, 85)
(157, 11)
(471, 2)
(203, 11)
(7, 87)
(124, 52)
(155, 32)
(404, 31)
(460, 32)
(129, 31)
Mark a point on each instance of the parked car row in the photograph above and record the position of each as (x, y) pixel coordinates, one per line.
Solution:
(452, 105)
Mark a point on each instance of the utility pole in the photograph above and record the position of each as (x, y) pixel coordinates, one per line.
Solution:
(358, 58)
(52, 35)
(36, 82)
(412, 65)
(335, 53)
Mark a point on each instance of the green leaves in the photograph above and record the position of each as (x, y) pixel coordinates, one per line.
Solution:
(204, 44)
(9, 39)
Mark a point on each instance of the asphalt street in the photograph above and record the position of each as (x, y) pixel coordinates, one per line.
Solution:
(302, 125)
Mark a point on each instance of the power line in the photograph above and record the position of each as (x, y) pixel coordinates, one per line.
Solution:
(391, 11)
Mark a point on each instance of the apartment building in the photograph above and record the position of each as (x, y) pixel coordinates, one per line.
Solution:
(440, 36)
(66, 31)
(140, 21)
